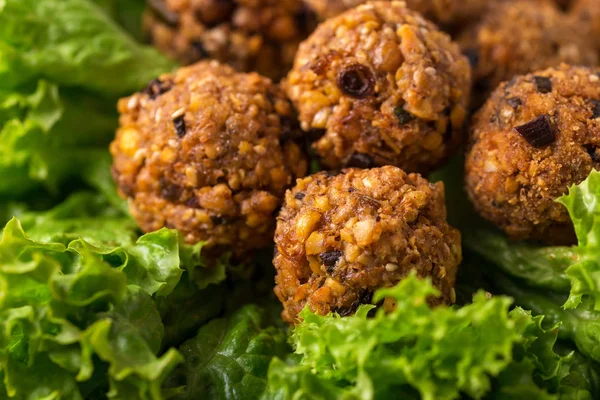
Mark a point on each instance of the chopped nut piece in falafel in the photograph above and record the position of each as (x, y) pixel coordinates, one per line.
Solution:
(384, 83)
(260, 35)
(524, 154)
(211, 156)
(350, 234)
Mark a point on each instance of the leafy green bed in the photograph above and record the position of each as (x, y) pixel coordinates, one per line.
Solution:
(92, 309)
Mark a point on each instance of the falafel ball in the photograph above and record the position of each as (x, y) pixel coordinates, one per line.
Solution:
(445, 12)
(340, 236)
(587, 13)
(250, 35)
(208, 151)
(380, 85)
(519, 37)
(537, 135)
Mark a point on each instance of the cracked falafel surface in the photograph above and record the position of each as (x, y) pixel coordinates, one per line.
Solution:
(208, 151)
(536, 136)
(380, 85)
(342, 235)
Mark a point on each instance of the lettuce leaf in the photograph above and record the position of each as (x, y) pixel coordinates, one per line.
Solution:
(88, 308)
(128, 14)
(229, 357)
(63, 66)
(186, 309)
(72, 43)
(581, 325)
(540, 266)
(440, 353)
(574, 270)
(62, 308)
(584, 209)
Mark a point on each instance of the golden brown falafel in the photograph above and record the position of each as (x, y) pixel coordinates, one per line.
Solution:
(208, 151)
(340, 236)
(518, 37)
(250, 35)
(380, 85)
(537, 135)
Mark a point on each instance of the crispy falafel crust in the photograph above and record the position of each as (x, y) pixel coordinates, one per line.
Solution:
(514, 184)
(249, 35)
(381, 82)
(518, 37)
(207, 151)
(340, 236)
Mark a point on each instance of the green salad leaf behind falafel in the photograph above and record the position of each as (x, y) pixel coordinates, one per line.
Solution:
(584, 209)
(75, 44)
(63, 65)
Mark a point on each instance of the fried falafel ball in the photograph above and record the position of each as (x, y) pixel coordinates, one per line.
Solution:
(340, 236)
(380, 85)
(249, 35)
(207, 151)
(522, 36)
(587, 13)
(445, 12)
(537, 135)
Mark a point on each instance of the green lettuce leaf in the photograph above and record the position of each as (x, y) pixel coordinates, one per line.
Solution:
(583, 381)
(86, 215)
(98, 307)
(440, 353)
(229, 357)
(584, 208)
(63, 66)
(128, 14)
(581, 326)
(574, 270)
(72, 43)
(65, 308)
(186, 309)
(539, 266)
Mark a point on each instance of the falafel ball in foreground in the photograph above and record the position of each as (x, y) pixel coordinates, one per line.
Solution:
(257, 35)
(519, 37)
(535, 137)
(340, 236)
(207, 151)
(381, 86)
(445, 12)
